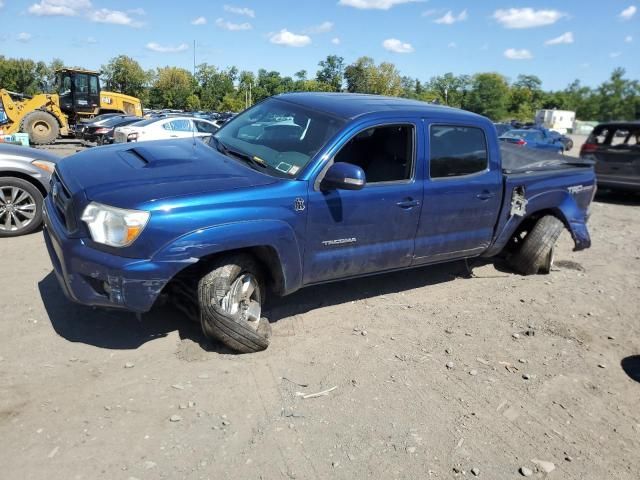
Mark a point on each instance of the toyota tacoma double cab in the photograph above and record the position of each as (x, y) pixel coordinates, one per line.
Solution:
(302, 189)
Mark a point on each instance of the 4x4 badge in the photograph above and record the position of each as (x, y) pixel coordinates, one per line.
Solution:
(299, 204)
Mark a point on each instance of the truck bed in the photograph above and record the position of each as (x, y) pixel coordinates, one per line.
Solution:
(517, 159)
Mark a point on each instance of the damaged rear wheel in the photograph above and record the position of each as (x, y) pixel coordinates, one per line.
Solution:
(231, 298)
(536, 253)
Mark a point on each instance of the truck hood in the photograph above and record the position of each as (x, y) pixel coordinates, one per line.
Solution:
(126, 175)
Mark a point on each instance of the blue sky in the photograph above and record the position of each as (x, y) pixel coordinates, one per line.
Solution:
(558, 41)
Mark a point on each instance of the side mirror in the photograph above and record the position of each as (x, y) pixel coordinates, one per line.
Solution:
(343, 176)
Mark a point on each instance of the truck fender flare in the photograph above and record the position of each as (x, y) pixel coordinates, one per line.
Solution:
(262, 236)
(559, 203)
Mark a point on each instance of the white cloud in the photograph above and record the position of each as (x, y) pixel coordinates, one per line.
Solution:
(289, 39)
(240, 11)
(628, 39)
(396, 46)
(565, 38)
(114, 17)
(91, 40)
(514, 54)
(1, 3)
(137, 11)
(335, 41)
(527, 17)
(374, 4)
(452, 45)
(430, 12)
(628, 12)
(24, 37)
(156, 47)
(449, 18)
(615, 54)
(65, 8)
(234, 27)
(324, 27)
(199, 21)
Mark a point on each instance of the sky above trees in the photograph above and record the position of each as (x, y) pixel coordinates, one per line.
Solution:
(556, 41)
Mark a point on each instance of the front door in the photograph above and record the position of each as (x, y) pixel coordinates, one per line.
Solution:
(462, 194)
(351, 233)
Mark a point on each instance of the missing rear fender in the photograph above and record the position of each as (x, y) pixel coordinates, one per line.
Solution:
(518, 202)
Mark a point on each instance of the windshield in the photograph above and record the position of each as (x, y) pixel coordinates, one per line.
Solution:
(280, 135)
(525, 134)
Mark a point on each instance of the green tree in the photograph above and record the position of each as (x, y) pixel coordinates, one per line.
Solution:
(214, 85)
(171, 88)
(488, 96)
(618, 97)
(125, 75)
(364, 76)
(449, 89)
(331, 72)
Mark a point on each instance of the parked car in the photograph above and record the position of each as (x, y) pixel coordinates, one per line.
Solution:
(345, 189)
(82, 125)
(102, 132)
(164, 128)
(531, 138)
(553, 135)
(615, 147)
(24, 182)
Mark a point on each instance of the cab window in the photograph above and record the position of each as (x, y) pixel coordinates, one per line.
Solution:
(457, 151)
(384, 153)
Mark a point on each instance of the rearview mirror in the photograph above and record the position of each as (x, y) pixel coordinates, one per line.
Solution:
(343, 176)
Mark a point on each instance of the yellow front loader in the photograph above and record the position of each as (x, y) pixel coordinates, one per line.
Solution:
(47, 116)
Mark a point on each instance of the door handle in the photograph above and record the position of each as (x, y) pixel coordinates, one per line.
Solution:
(486, 195)
(408, 203)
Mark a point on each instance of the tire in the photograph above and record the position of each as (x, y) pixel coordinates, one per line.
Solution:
(20, 207)
(536, 253)
(237, 324)
(41, 126)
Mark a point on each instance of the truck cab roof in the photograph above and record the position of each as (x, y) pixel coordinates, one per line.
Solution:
(353, 105)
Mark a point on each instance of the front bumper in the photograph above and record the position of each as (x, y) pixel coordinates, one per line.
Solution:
(95, 278)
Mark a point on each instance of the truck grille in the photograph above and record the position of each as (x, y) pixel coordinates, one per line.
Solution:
(63, 202)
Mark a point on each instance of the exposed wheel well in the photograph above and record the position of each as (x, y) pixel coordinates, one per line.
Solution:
(527, 224)
(183, 288)
(27, 178)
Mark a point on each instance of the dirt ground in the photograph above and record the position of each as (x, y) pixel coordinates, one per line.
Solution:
(434, 372)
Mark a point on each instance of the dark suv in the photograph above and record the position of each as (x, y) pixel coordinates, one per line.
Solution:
(615, 147)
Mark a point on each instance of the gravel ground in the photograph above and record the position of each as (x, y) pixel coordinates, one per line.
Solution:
(437, 374)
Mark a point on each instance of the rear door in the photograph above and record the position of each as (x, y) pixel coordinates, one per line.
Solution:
(462, 193)
(177, 128)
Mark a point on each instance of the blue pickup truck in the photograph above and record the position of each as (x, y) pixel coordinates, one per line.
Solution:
(302, 189)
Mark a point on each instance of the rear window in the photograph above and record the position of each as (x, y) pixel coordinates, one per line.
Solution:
(615, 135)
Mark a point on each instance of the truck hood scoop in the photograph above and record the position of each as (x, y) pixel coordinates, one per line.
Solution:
(126, 175)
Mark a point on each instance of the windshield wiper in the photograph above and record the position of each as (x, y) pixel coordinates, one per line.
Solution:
(251, 160)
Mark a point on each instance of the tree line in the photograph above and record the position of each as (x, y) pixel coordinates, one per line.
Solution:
(216, 89)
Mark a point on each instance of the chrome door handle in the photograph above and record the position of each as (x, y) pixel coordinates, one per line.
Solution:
(408, 203)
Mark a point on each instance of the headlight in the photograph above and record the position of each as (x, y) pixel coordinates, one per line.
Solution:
(44, 165)
(113, 226)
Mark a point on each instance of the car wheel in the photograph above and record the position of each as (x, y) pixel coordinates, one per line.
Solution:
(536, 254)
(20, 207)
(230, 299)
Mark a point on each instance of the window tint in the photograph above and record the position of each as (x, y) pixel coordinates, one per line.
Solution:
(457, 151)
(204, 127)
(384, 153)
(93, 85)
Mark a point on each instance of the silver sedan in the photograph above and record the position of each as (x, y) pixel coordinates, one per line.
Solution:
(24, 182)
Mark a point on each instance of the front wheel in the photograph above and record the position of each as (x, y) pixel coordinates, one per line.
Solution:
(230, 299)
(20, 207)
